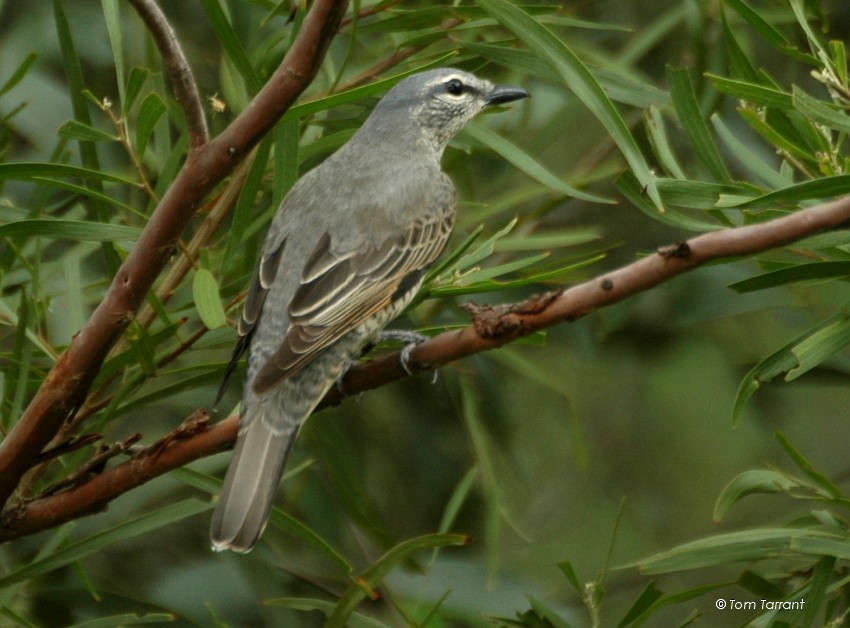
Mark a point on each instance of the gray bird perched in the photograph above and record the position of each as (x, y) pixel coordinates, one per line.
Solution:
(345, 253)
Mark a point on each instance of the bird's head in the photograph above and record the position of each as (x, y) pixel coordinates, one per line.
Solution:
(442, 101)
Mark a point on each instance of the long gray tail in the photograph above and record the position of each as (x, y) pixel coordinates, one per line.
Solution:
(251, 481)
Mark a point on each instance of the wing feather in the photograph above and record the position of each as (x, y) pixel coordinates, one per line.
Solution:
(340, 291)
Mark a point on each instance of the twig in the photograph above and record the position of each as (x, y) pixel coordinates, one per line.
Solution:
(493, 327)
(178, 69)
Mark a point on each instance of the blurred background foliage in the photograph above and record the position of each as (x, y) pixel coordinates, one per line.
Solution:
(595, 472)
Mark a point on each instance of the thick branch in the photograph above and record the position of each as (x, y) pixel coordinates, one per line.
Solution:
(68, 382)
(178, 69)
(493, 327)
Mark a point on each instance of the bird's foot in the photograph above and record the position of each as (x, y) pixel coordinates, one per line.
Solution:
(411, 340)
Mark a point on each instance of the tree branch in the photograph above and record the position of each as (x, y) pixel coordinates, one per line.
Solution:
(67, 384)
(178, 69)
(493, 327)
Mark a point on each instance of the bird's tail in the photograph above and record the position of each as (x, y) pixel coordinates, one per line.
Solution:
(251, 481)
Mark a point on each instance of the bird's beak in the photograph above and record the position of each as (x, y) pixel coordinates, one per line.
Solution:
(502, 94)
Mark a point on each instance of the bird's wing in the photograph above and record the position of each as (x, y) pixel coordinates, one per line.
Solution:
(339, 291)
(254, 299)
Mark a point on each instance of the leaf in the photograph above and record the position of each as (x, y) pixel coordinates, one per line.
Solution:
(370, 579)
(207, 299)
(816, 189)
(27, 171)
(355, 620)
(135, 82)
(74, 130)
(575, 75)
(148, 522)
(793, 274)
(770, 34)
(743, 152)
(751, 92)
(820, 346)
(19, 73)
(782, 361)
(525, 162)
(820, 111)
(749, 483)
(150, 111)
(746, 545)
(231, 43)
(690, 117)
(827, 485)
(643, 603)
(657, 133)
(77, 230)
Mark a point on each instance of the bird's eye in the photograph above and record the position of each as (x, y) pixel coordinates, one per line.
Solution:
(455, 87)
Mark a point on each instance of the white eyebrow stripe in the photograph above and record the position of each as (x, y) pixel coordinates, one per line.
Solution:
(444, 79)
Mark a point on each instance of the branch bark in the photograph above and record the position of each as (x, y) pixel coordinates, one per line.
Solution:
(67, 384)
(493, 327)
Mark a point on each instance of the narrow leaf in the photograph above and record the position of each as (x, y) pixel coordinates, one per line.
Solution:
(525, 162)
(150, 111)
(77, 230)
(77, 550)
(575, 75)
(207, 299)
(690, 116)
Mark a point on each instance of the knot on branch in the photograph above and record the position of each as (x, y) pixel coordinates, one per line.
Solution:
(509, 319)
(679, 250)
(197, 422)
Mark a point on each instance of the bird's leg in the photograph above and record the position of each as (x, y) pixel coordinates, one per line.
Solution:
(410, 339)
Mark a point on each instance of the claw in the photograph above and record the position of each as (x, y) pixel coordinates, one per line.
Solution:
(410, 339)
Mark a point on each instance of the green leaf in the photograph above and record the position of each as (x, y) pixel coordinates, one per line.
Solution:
(77, 230)
(148, 522)
(150, 111)
(525, 162)
(808, 468)
(370, 579)
(746, 545)
(820, 111)
(646, 599)
(19, 73)
(816, 189)
(27, 171)
(127, 619)
(820, 346)
(657, 132)
(355, 619)
(231, 43)
(793, 274)
(575, 75)
(74, 130)
(783, 361)
(690, 117)
(207, 299)
(135, 82)
(751, 92)
(770, 34)
(743, 152)
(749, 483)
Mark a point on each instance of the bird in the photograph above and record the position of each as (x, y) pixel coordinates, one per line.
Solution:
(345, 253)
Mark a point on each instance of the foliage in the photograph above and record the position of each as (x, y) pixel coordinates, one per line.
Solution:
(703, 115)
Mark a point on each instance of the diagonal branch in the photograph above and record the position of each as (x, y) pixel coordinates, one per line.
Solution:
(67, 384)
(493, 327)
(178, 69)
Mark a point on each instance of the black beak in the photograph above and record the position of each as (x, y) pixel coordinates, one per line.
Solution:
(502, 94)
